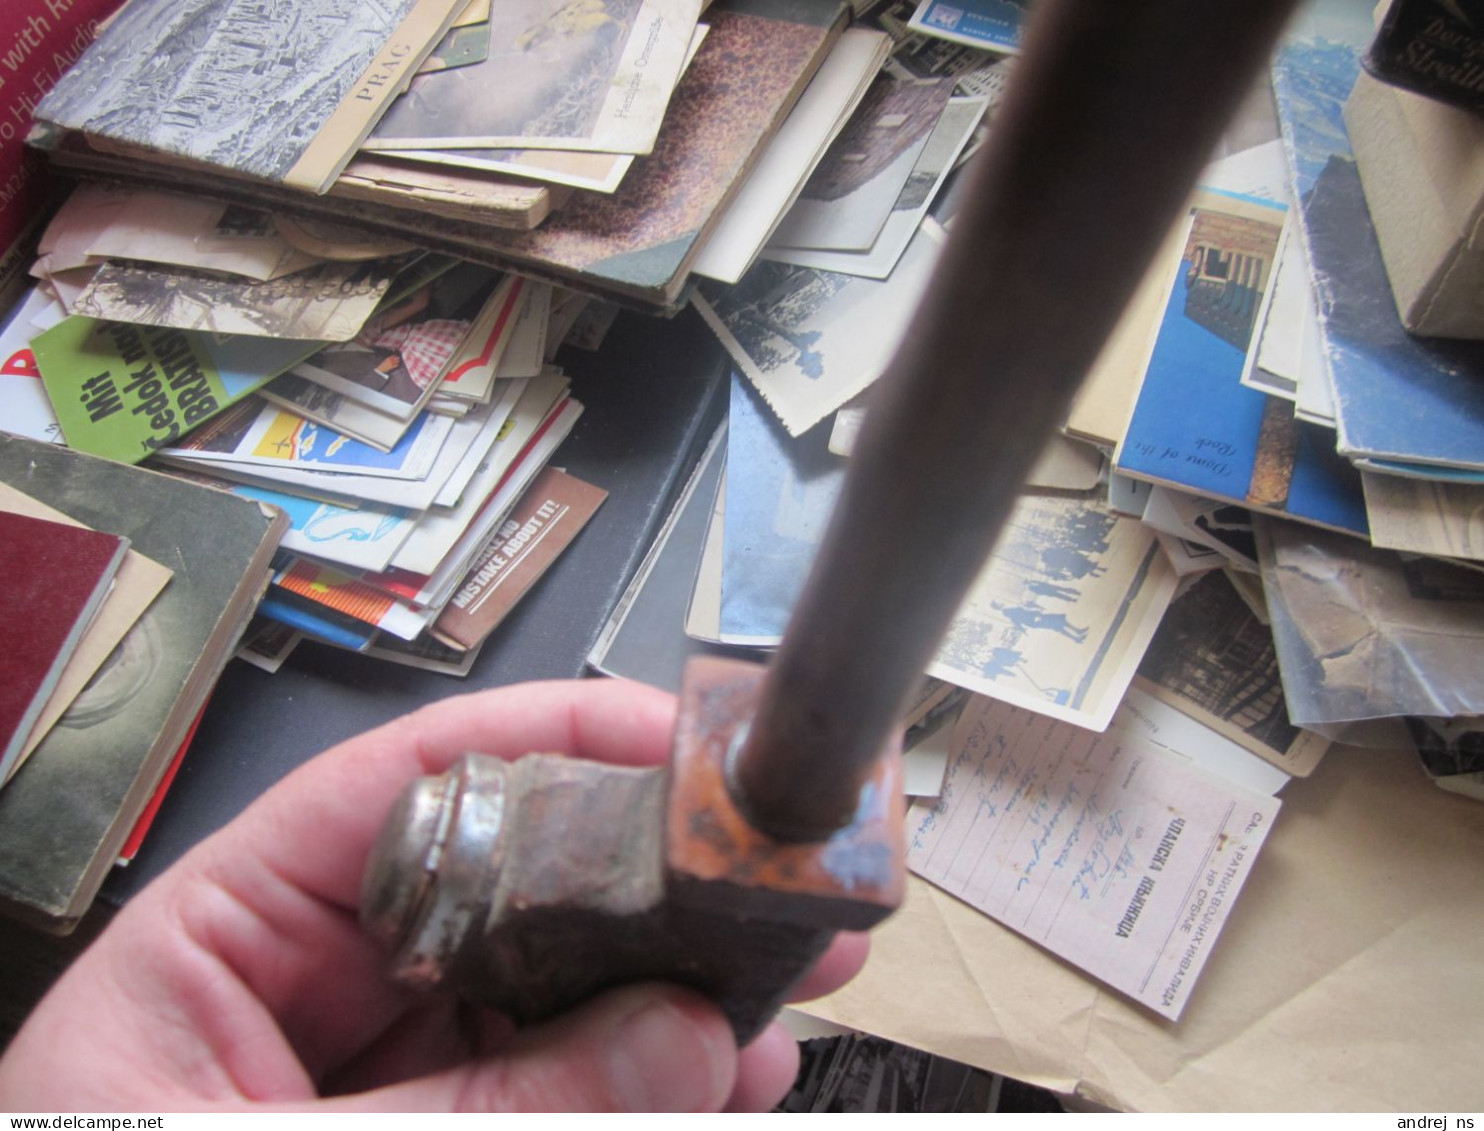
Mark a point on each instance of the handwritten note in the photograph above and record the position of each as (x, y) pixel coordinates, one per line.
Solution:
(1105, 849)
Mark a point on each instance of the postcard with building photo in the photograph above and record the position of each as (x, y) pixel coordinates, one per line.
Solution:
(810, 340)
(956, 125)
(560, 74)
(1060, 616)
(1194, 425)
(327, 303)
(1213, 660)
(847, 199)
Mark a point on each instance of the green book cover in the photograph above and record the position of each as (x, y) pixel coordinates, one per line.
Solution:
(124, 391)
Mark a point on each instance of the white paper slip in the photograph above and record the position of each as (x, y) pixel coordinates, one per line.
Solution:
(1105, 849)
(1192, 741)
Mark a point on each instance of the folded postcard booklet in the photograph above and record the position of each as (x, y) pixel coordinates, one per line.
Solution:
(124, 391)
(1195, 426)
(278, 93)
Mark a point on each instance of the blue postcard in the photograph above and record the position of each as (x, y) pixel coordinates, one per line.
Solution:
(1195, 426)
(1397, 397)
(352, 535)
(994, 25)
(780, 491)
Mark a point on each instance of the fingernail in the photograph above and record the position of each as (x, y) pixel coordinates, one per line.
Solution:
(670, 1054)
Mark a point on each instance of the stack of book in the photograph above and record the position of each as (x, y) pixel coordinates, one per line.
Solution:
(128, 592)
(395, 400)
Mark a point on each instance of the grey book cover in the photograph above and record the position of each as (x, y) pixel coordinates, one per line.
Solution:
(280, 90)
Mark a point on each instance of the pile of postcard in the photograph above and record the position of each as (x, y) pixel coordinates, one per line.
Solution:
(400, 406)
(593, 143)
(395, 400)
(1252, 540)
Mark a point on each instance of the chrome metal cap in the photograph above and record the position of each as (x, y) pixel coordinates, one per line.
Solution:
(403, 865)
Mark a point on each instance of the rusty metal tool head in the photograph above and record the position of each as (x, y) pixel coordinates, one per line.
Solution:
(532, 885)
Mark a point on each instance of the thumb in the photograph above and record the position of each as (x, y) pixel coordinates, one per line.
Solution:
(640, 1048)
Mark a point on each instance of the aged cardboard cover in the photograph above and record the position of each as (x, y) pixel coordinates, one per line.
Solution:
(64, 818)
(278, 92)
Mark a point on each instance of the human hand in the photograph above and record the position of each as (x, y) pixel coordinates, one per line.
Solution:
(241, 976)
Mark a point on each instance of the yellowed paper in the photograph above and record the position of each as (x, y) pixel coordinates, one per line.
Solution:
(1424, 516)
(386, 77)
(1106, 849)
(1347, 979)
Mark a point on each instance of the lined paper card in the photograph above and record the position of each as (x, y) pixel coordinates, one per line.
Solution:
(1107, 850)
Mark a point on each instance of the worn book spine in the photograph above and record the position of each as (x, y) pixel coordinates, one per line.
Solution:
(549, 515)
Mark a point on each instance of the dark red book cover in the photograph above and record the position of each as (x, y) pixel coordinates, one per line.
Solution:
(39, 40)
(53, 577)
